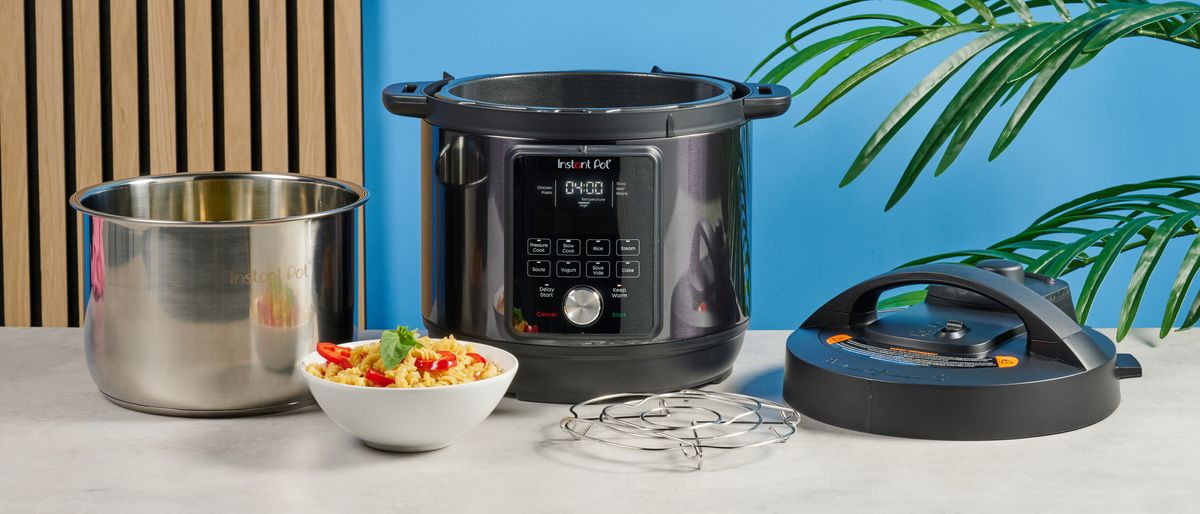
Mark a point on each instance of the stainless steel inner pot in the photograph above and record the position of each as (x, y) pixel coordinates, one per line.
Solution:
(203, 290)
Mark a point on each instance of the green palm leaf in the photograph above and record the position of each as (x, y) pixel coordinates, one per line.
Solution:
(1047, 51)
(1146, 216)
(1026, 57)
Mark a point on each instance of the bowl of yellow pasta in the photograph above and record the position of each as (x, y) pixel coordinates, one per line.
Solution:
(408, 393)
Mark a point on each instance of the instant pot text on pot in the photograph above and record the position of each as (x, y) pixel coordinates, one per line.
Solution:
(293, 271)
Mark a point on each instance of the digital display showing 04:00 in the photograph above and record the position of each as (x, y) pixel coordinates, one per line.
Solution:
(583, 188)
(583, 193)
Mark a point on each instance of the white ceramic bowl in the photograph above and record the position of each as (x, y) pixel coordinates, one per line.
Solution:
(412, 419)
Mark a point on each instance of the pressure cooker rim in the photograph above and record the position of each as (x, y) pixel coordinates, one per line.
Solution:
(732, 105)
(80, 199)
(720, 90)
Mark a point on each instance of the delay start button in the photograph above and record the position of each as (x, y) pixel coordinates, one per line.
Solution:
(581, 306)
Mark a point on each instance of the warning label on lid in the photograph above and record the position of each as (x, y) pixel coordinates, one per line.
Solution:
(909, 357)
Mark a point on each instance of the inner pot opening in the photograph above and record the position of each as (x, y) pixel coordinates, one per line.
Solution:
(219, 197)
(595, 90)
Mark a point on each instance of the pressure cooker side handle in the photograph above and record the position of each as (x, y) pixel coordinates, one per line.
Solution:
(1050, 331)
(765, 101)
(407, 99)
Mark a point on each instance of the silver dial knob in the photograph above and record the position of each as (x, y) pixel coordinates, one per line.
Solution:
(582, 306)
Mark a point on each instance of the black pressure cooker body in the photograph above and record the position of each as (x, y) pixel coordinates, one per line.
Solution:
(992, 353)
(593, 223)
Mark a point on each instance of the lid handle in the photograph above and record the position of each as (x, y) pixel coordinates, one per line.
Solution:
(1050, 331)
(766, 100)
(407, 99)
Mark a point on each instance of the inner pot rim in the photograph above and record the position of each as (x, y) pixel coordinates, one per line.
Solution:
(77, 200)
(721, 90)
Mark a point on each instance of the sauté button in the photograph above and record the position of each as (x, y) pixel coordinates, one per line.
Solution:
(629, 269)
(568, 269)
(538, 246)
(629, 247)
(538, 268)
(598, 269)
(599, 247)
(568, 247)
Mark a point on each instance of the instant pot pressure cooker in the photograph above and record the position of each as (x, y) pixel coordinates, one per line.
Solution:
(594, 223)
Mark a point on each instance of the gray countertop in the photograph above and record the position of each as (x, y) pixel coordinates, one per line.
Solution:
(64, 447)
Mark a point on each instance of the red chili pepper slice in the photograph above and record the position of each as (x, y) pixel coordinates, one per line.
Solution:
(378, 378)
(478, 358)
(335, 354)
(449, 360)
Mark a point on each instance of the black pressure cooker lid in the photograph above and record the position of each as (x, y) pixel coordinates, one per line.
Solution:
(587, 105)
(992, 353)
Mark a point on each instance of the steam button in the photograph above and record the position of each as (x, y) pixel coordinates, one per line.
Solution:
(629, 247)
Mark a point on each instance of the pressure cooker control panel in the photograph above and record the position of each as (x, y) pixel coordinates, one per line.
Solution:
(584, 242)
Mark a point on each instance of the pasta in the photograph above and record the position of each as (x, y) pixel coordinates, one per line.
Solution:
(432, 363)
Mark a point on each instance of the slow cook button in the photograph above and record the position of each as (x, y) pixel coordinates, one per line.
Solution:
(538, 246)
(598, 269)
(539, 268)
(629, 247)
(629, 269)
(568, 269)
(568, 247)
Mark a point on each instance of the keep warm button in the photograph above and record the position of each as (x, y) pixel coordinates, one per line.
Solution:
(629, 269)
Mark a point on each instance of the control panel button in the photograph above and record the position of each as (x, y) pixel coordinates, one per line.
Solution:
(568, 247)
(538, 268)
(597, 269)
(629, 247)
(598, 247)
(629, 269)
(567, 269)
(538, 246)
(582, 305)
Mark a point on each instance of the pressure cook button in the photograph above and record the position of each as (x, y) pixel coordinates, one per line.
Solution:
(568, 269)
(629, 247)
(598, 247)
(538, 246)
(598, 269)
(629, 269)
(539, 268)
(568, 247)
(582, 306)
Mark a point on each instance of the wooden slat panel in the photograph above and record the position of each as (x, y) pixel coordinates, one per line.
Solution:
(160, 54)
(52, 205)
(86, 28)
(88, 166)
(273, 84)
(235, 28)
(123, 32)
(198, 46)
(310, 69)
(14, 164)
(347, 37)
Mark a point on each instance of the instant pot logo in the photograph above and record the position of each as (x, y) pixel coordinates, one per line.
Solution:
(292, 272)
(585, 164)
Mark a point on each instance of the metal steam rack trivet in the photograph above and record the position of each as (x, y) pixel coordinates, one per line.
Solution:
(690, 421)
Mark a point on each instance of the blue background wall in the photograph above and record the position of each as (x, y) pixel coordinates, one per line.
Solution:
(1122, 118)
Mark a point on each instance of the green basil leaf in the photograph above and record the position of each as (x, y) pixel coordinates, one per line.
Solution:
(394, 346)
